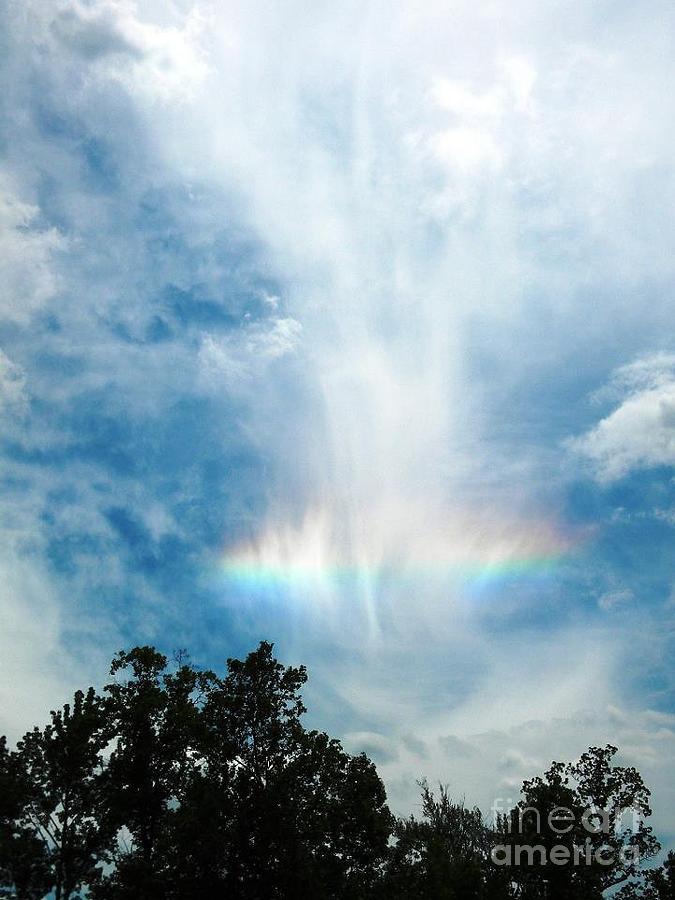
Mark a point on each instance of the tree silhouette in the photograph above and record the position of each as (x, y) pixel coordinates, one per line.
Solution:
(286, 811)
(445, 855)
(583, 829)
(654, 884)
(179, 784)
(215, 787)
(25, 869)
(662, 881)
(61, 770)
(153, 716)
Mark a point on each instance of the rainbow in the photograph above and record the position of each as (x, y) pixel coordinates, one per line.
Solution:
(393, 547)
(254, 568)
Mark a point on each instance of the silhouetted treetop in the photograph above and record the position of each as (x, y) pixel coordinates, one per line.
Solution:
(175, 783)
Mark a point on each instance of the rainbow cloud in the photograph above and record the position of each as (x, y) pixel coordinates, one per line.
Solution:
(321, 552)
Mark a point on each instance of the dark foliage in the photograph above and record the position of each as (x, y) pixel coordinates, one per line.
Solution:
(593, 810)
(445, 855)
(179, 784)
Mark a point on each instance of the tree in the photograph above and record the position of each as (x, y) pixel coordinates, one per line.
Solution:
(654, 884)
(661, 881)
(215, 787)
(579, 830)
(153, 717)
(285, 811)
(25, 870)
(445, 855)
(177, 784)
(61, 767)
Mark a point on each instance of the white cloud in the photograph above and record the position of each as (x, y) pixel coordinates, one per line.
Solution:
(478, 138)
(466, 148)
(230, 363)
(93, 31)
(457, 98)
(503, 732)
(616, 599)
(13, 397)
(37, 671)
(647, 373)
(164, 60)
(377, 746)
(640, 432)
(27, 272)
(275, 342)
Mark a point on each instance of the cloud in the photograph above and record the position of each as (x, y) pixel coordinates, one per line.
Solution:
(491, 775)
(27, 270)
(38, 673)
(231, 361)
(164, 60)
(378, 747)
(643, 374)
(640, 432)
(616, 599)
(321, 290)
(92, 32)
(415, 745)
(13, 397)
(465, 148)
(455, 746)
(476, 140)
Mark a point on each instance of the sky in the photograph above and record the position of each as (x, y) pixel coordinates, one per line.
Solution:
(349, 327)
